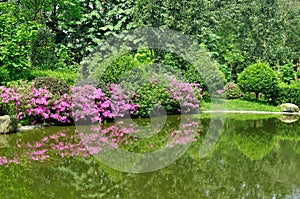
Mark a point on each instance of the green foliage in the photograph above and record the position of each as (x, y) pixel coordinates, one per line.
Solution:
(253, 30)
(54, 85)
(289, 93)
(214, 77)
(152, 95)
(4, 75)
(258, 78)
(236, 33)
(67, 76)
(15, 38)
(42, 50)
(65, 59)
(287, 73)
(122, 65)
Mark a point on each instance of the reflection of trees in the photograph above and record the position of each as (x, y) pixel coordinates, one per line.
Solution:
(77, 178)
(12, 180)
(254, 138)
(296, 147)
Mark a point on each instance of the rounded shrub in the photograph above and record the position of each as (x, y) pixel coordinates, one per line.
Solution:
(232, 91)
(153, 94)
(259, 78)
(112, 70)
(54, 85)
(67, 76)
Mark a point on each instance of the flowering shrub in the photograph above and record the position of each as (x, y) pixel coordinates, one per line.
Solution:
(122, 103)
(187, 94)
(32, 105)
(87, 103)
(38, 105)
(232, 91)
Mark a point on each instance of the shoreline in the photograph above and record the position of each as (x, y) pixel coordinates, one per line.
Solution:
(252, 112)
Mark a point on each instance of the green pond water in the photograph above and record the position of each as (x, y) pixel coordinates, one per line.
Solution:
(254, 156)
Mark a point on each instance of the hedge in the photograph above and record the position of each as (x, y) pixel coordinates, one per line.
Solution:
(289, 93)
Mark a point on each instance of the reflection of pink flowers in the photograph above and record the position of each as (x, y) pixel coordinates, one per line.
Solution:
(5, 161)
(45, 139)
(54, 137)
(38, 145)
(220, 91)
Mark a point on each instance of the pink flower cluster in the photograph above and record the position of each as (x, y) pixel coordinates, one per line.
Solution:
(185, 134)
(187, 94)
(90, 103)
(36, 104)
(84, 103)
(122, 103)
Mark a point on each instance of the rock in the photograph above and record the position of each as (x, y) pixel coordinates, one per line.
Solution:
(29, 127)
(289, 107)
(6, 125)
(289, 118)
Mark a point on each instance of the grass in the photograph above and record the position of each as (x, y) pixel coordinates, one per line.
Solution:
(241, 105)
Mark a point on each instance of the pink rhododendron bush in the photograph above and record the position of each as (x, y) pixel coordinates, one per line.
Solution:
(38, 105)
(32, 105)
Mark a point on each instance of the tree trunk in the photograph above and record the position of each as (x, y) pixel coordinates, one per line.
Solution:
(256, 95)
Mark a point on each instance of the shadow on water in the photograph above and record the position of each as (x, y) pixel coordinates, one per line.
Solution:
(256, 156)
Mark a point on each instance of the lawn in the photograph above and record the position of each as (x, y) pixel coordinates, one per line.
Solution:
(242, 105)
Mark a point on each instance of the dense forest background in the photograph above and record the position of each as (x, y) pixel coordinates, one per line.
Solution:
(56, 35)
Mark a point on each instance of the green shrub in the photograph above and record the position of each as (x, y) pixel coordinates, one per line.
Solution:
(152, 94)
(54, 85)
(113, 69)
(289, 93)
(69, 77)
(259, 78)
(287, 73)
(232, 91)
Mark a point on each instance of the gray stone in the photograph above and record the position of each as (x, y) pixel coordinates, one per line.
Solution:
(29, 127)
(289, 107)
(6, 125)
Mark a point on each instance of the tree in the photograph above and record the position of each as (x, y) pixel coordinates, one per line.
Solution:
(258, 78)
(15, 40)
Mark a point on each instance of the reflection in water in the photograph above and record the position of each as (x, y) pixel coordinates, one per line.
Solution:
(255, 157)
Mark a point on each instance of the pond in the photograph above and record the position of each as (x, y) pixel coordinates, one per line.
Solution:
(254, 156)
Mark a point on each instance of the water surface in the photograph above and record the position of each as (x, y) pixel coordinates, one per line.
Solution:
(256, 156)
